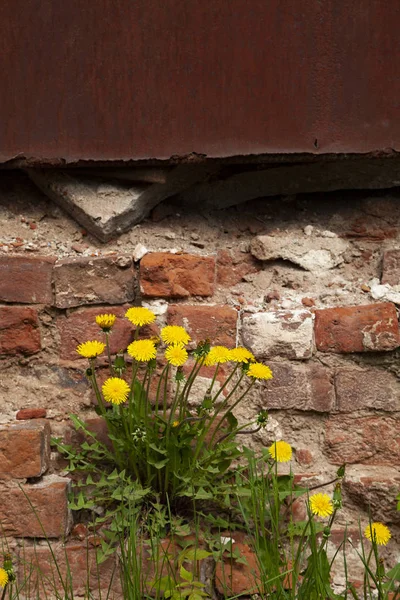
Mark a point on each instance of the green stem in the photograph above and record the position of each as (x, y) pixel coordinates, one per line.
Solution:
(107, 334)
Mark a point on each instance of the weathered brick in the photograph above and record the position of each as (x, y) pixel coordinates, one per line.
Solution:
(25, 414)
(232, 266)
(298, 387)
(167, 275)
(233, 578)
(24, 449)
(26, 279)
(374, 490)
(76, 561)
(78, 326)
(373, 327)
(216, 323)
(391, 267)
(104, 280)
(279, 333)
(19, 330)
(369, 440)
(358, 389)
(49, 499)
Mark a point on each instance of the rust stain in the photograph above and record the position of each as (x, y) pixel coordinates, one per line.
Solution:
(123, 80)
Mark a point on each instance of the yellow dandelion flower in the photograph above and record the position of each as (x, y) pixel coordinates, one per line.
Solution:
(280, 451)
(3, 578)
(115, 390)
(379, 533)
(259, 371)
(176, 355)
(174, 334)
(321, 505)
(217, 355)
(139, 315)
(105, 321)
(142, 350)
(91, 349)
(241, 355)
(175, 424)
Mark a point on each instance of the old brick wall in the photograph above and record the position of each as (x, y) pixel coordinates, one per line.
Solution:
(311, 285)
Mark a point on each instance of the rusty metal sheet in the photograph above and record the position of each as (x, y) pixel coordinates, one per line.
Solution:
(135, 79)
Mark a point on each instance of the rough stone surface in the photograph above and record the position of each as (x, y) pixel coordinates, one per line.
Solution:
(375, 490)
(19, 330)
(106, 280)
(300, 387)
(168, 275)
(391, 267)
(371, 440)
(76, 559)
(280, 333)
(312, 254)
(80, 325)
(48, 497)
(216, 323)
(384, 292)
(26, 279)
(233, 266)
(24, 450)
(359, 389)
(373, 327)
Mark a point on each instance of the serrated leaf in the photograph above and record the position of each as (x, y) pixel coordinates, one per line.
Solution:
(186, 575)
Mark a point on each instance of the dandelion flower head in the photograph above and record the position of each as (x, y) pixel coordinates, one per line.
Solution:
(217, 355)
(115, 390)
(174, 334)
(176, 355)
(139, 315)
(142, 350)
(241, 355)
(105, 321)
(321, 505)
(259, 371)
(280, 451)
(91, 349)
(379, 533)
(3, 578)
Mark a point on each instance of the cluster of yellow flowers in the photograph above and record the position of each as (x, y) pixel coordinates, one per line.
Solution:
(175, 337)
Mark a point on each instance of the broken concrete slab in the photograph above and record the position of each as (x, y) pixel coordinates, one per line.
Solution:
(352, 173)
(310, 253)
(107, 209)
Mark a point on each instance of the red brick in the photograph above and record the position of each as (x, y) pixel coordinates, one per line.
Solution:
(78, 326)
(26, 279)
(304, 457)
(232, 266)
(48, 497)
(369, 229)
(391, 267)
(85, 280)
(167, 275)
(216, 323)
(358, 389)
(19, 330)
(24, 449)
(233, 578)
(369, 440)
(357, 328)
(75, 560)
(374, 490)
(25, 414)
(299, 387)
